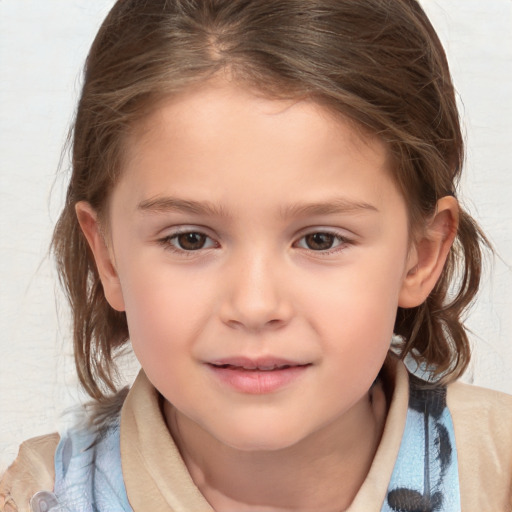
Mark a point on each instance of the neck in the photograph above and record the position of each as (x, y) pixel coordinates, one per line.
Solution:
(321, 473)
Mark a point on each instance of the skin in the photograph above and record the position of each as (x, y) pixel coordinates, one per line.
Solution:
(265, 176)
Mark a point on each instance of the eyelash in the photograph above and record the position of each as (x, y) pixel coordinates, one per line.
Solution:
(340, 241)
(168, 242)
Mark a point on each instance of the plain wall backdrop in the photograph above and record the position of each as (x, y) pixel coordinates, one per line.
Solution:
(42, 48)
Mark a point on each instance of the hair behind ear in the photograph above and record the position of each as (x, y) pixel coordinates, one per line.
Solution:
(98, 329)
(433, 333)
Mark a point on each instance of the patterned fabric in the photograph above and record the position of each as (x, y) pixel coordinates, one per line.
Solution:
(425, 477)
(88, 474)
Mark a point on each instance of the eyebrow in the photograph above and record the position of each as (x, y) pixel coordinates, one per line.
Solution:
(206, 208)
(170, 204)
(337, 205)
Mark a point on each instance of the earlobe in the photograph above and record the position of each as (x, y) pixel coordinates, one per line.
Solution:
(103, 256)
(428, 254)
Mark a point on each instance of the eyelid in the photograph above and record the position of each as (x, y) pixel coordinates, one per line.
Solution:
(181, 229)
(343, 239)
(173, 233)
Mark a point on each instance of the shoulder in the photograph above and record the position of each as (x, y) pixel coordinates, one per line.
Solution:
(482, 420)
(32, 471)
(39, 458)
(480, 411)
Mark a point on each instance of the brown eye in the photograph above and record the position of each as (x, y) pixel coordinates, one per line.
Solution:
(183, 242)
(190, 241)
(319, 241)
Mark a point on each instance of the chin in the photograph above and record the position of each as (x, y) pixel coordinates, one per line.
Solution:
(262, 439)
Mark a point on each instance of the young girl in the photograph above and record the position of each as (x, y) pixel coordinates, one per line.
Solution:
(263, 203)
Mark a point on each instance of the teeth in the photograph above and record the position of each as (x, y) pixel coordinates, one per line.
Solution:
(268, 368)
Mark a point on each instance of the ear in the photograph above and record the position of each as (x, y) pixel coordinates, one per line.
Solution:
(103, 255)
(428, 254)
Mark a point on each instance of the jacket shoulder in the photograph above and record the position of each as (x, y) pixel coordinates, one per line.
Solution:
(482, 420)
(32, 471)
(481, 410)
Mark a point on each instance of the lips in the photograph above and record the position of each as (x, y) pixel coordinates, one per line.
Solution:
(260, 364)
(257, 376)
(262, 368)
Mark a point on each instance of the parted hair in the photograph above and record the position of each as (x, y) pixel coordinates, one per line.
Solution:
(378, 63)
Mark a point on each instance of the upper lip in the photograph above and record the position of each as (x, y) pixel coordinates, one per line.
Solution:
(260, 363)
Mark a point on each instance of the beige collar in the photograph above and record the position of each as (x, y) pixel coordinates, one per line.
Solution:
(156, 477)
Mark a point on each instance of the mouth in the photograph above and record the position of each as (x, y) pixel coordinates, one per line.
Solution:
(257, 365)
(258, 376)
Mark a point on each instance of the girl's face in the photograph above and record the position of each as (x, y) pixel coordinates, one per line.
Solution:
(259, 249)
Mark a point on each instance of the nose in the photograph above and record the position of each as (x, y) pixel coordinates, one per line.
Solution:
(256, 296)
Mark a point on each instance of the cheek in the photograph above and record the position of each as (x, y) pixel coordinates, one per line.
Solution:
(356, 312)
(366, 290)
(164, 311)
(356, 344)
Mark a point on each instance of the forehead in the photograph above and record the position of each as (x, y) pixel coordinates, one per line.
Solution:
(203, 102)
(221, 136)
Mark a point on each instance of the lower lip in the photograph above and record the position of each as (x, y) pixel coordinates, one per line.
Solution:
(258, 382)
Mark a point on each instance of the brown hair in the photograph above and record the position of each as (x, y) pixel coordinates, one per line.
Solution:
(377, 62)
